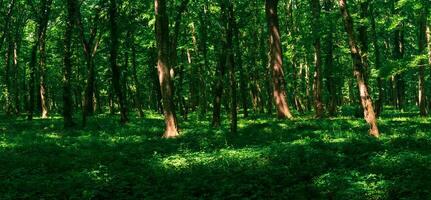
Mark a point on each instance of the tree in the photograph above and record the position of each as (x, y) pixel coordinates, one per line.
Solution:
(359, 67)
(43, 26)
(317, 84)
(115, 69)
(163, 66)
(230, 62)
(276, 60)
(329, 60)
(220, 72)
(67, 66)
(90, 45)
(422, 32)
(378, 62)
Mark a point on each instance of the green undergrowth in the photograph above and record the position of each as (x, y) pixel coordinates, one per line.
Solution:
(304, 158)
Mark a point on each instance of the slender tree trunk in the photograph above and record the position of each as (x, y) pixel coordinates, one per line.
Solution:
(317, 83)
(276, 60)
(398, 54)
(88, 108)
(116, 71)
(203, 48)
(230, 62)
(422, 32)
(16, 50)
(31, 83)
(163, 65)
(90, 46)
(242, 73)
(138, 98)
(194, 73)
(429, 43)
(359, 70)
(363, 36)
(428, 38)
(67, 67)
(221, 68)
(8, 85)
(378, 63)
(157, 94)
(218, 87)
(329, 61)
(43, 26)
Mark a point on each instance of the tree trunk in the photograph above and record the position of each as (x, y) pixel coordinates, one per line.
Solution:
(428, 38)
(203, 48)
(43, 26)
(363, 37)
(163, 66)
(8, 85)
(398, 54)
(16, 66)
(67, 67)
(138, 98)
(422, 32)
(378, 61)
(317, 84)
(429, 43)
(218, 87)
(222, 62)
(116, 71)
(276, 60)
(90, 46)
(31, 83)
(242, 74)
(230, 63)
(359, 70)
(329, 61)
(157, 94)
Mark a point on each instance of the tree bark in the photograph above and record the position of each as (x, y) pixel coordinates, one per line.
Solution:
(218, 87)
(43, 26)
(422, 32)
(138, 97)
(16, 66)
(378, 63)
(157, 94)
(67, 67)
(276, 60)
(203, 48)
(359, 70)
(363, 36)
(221, 68)
(8, 85)
(242, 73)
(230, 63)
(31, 82)
(329, 62)
(90, 46)
(317, 83)
(116, 71)
(163, 66)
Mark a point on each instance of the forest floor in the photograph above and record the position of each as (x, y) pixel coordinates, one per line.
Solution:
(303, 158)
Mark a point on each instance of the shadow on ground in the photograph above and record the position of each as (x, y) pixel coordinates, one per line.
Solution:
(267, 159)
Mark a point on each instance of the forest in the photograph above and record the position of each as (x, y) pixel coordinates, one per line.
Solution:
(215, 99)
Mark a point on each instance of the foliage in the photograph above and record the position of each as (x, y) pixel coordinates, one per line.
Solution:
(300, 159)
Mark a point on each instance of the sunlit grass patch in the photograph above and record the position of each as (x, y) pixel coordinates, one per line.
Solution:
(275, 159)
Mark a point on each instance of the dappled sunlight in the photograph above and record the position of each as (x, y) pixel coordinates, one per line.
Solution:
(301, 158)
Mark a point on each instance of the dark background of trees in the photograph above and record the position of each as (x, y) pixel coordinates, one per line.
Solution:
(243, 58)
